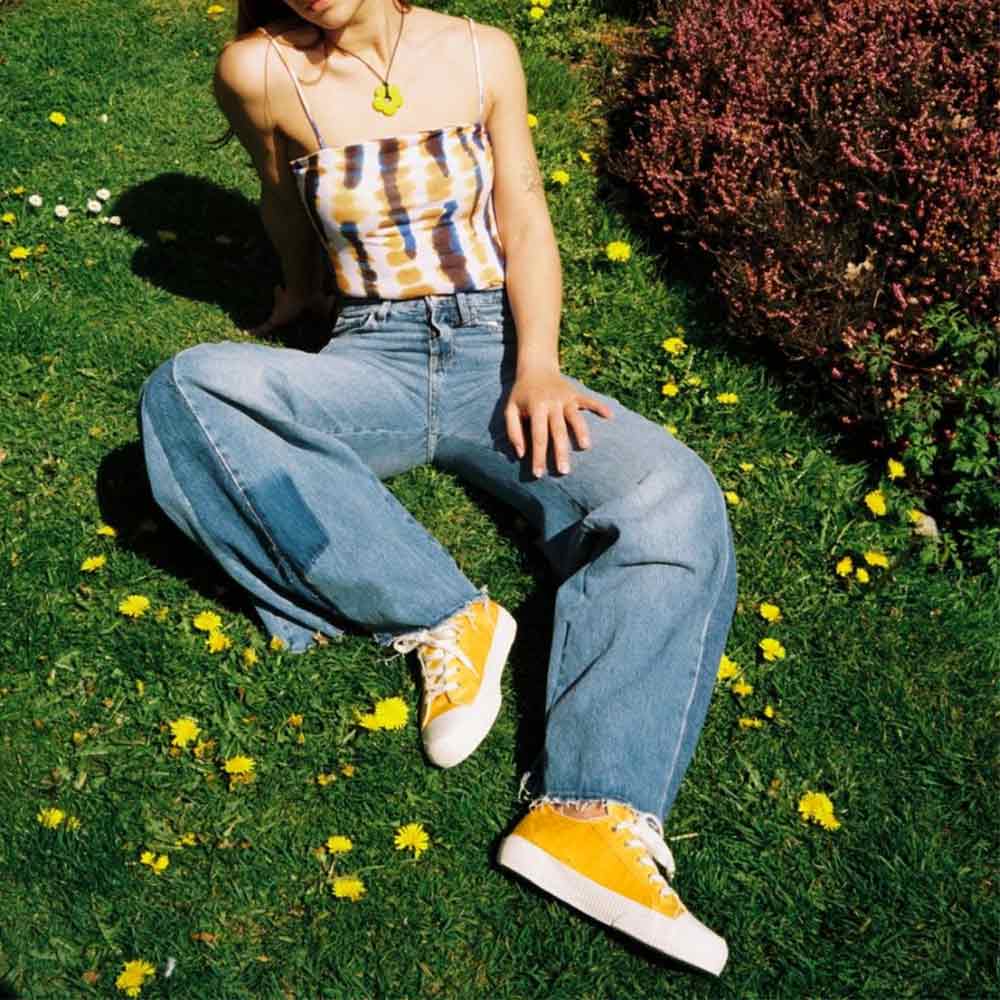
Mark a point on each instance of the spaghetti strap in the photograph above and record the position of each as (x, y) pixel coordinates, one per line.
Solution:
(479, 78)
(298, 89)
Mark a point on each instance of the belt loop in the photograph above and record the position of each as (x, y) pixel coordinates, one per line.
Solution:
(466, 310)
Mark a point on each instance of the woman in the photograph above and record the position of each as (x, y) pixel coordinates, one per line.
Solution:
(393, 140)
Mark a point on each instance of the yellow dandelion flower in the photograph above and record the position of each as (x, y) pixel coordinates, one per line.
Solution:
(559, 176)
(367, 720)
(670, 389)
(618, 250)
(277, 644)
(186, 840)
(537, 12)
(19, 253)
(158, 864)
(728, 398)
(107, 531)
(338, 845)
(218, 642)
(770, 612)
(915, 516)
(294, 720)
(694, 380)
(184, 730)
(896, 469)
(772, 649)
(215, 10)
(875, 502)
(207, 621)
(348, 887)
(671, 428)
(134, 606)
(8, 218)
(391, 713)
(727, 668)
(57, 118)
(733, 499)
(133, 976)
(250, 656)
(323, 779)
(93, 563)
(875, 558)
(861, 575)
(584, 155)
(532, 120)
(239, 765)
(816, 806)
(741, 689)
(674, 345)
(769, 711)
(746, 466)
(347, 770)
(748, 723)
(72, 822)
(50, 818)
(845, 566)
(412, 836)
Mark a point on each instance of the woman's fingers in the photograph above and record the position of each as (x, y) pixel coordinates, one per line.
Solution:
(512, 417)
(550, 422)
(560, 439)
(539, 438)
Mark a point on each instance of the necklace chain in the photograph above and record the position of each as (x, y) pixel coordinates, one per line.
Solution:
(387, 98)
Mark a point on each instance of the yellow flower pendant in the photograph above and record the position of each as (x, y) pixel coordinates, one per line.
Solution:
(387, 98)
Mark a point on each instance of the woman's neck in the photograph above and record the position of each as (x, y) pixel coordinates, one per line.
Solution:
(372, 34)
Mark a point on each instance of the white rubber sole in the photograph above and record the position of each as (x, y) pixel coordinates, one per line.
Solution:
(684, 938)
(452, 737)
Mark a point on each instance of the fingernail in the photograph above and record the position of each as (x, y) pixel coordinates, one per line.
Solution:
(539, 473)
(563, 468)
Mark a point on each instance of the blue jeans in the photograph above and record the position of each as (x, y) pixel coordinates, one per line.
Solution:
(272, 459)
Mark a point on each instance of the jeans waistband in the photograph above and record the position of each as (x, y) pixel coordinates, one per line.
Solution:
(465, 302)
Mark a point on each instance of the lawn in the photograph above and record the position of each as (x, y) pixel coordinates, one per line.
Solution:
(884, 699)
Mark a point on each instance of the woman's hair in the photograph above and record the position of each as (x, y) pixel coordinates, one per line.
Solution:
(253, 14)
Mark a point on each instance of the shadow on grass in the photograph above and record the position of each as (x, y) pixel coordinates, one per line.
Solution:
(7, 992)
(126, 501)
(207, 243)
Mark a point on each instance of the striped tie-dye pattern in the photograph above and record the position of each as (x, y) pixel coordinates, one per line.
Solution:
(408, 215)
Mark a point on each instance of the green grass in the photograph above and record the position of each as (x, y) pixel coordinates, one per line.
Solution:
(885, 701)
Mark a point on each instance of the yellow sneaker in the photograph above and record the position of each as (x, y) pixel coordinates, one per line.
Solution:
(606, 866)
(462, 660)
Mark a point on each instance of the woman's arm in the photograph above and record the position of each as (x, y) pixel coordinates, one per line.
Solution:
(533, 270)
(240, 86)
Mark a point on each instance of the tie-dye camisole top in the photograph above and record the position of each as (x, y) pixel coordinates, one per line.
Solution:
(409, 215)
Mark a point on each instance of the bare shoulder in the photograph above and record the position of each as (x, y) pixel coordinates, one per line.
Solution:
(501, 61)
(239, 70)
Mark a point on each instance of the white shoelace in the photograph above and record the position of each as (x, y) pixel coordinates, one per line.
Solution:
(438, 651)
(649, 835)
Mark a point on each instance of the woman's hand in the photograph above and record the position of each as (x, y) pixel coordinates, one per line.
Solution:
(288, 308)
(549, 403)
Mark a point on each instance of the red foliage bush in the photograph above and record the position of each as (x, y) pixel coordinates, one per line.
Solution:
(840, 164)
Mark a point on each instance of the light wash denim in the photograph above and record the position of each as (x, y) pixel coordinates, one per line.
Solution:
(272, 460)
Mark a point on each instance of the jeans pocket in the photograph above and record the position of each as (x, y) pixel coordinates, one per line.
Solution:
(355, 321)
(496, 319)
